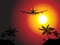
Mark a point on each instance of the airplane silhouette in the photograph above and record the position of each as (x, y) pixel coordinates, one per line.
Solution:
(33, 11)
(47, 30)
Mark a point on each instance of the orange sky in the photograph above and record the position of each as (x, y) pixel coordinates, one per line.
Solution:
(28, 25)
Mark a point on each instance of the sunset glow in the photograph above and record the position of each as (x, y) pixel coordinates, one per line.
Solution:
(48, 17)
(28, 24)
(42, 19)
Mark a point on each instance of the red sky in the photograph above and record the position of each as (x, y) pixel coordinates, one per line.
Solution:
(19, 20)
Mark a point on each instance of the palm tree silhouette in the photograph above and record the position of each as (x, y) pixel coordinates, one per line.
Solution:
(3, 35)
(56, 34)
(47, 30)
(10, 32)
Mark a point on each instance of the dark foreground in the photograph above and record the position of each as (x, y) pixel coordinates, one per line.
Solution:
(6, 42)
(52, 42)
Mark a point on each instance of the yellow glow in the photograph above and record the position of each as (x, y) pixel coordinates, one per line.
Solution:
(50, 18)
(42, 19)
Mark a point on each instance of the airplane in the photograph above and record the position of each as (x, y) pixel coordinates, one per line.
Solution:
(33, 11)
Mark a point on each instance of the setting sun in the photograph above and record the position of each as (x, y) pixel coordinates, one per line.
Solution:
(36, 21)
(42, 19)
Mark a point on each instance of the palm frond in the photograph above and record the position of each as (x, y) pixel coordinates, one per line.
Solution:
(43, 33)
(14, 30)
(40, 29)
(43, 27)
(51, 28)
(10, 28)
(47, 26)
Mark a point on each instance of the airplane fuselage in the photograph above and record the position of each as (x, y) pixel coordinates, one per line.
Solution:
(33, 12)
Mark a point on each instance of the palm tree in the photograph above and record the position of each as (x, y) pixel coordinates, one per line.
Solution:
(47, 30)
(10, 32)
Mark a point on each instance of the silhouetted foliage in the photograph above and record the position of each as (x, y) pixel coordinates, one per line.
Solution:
(11, 32)
(56, 34)
(8, 33)
(3, 35)
(44, 39)
(47, 30)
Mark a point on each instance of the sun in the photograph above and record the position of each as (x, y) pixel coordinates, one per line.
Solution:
(36, 21)
(42, 19)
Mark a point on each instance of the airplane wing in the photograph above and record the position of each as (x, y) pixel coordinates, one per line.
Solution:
(40, 12)
(30, 12)
(43, 11)
(37, 12)
(25, 12)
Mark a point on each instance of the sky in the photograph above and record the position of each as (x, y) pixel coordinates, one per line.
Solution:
(27, 24)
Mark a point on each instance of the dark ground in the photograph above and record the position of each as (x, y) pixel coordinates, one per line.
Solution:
(52, 42)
